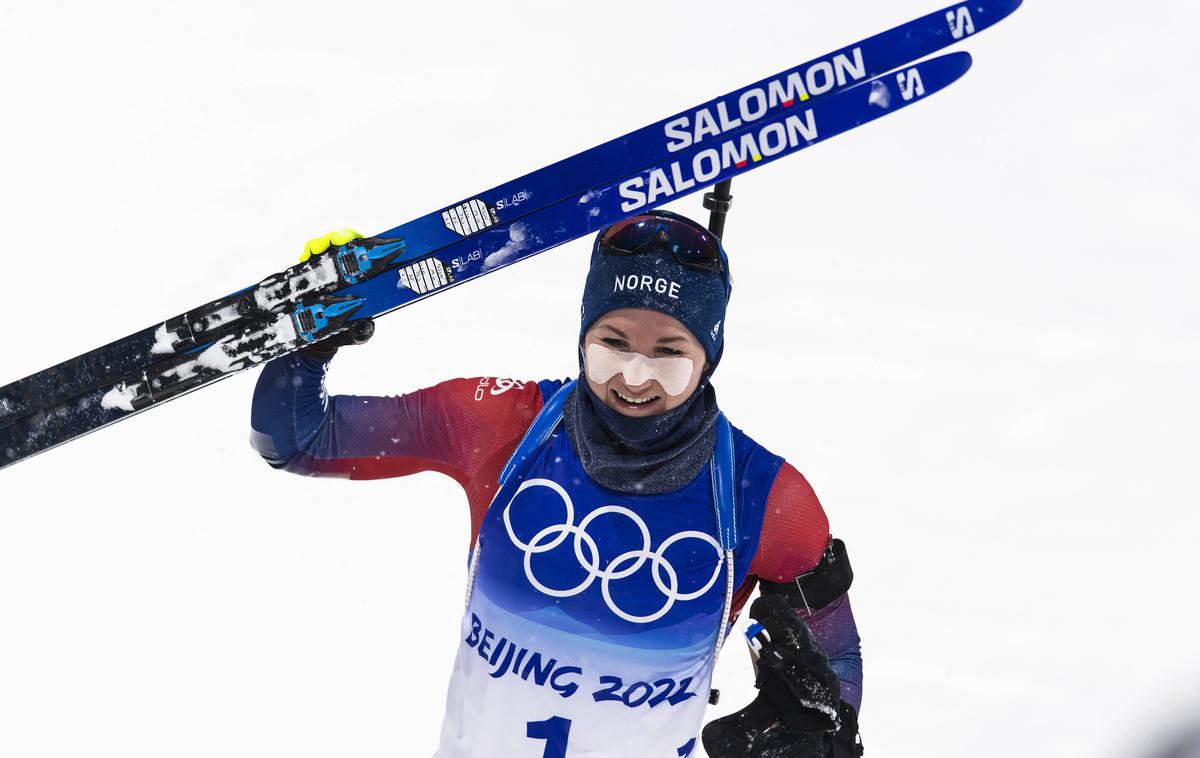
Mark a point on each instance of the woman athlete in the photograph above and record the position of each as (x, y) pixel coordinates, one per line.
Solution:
(618, 525)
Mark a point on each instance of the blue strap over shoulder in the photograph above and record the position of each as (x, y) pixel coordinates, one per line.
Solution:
(724, 496)
(723, 465)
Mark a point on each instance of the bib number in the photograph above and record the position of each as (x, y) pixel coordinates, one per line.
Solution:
(555, 731)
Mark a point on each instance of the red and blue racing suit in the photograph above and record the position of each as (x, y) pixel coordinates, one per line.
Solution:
(468, 428)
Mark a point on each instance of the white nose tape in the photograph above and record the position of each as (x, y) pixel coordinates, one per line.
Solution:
(603, 363)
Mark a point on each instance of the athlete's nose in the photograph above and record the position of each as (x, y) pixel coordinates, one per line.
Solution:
(645, 385)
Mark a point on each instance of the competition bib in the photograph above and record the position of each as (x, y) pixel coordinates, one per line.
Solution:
(592, 622)
(594, 617)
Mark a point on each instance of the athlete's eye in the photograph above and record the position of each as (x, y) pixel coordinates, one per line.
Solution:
(670, 351)
(614, 342)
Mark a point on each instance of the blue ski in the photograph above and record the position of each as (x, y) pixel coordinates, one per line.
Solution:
(414, 274)
(502, 206)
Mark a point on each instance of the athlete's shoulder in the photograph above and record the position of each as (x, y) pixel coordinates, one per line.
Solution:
(756, 468)
(787, 482)
(549, 386)
(795, 528)
(752, 458)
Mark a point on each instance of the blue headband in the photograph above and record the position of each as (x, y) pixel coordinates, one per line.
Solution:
(655, 280)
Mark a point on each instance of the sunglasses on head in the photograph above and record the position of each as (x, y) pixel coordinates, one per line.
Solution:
(690, 245)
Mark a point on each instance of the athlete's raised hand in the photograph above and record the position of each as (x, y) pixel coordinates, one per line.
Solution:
(358, 331)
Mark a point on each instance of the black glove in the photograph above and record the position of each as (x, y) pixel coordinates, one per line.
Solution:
(356, 333)
(799, 712)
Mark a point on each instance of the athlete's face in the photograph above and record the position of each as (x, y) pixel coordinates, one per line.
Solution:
(650, 334)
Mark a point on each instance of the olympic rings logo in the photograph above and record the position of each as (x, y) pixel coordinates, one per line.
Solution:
(624, 565)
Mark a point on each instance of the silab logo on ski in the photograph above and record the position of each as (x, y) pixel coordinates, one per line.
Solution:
(797, 85)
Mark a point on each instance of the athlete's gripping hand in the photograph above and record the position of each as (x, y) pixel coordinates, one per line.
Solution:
(799, 712)
(358, 331)
(318, 245)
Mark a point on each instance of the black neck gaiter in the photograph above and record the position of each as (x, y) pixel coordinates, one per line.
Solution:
(642, 456)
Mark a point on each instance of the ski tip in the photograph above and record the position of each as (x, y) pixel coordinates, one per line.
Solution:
(957, 60)
(963, 62)
(939, 71)
(964, 57)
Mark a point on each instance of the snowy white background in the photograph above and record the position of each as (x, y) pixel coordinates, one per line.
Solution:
(973, 325)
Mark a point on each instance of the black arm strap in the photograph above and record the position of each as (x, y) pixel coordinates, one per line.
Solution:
(818, 588)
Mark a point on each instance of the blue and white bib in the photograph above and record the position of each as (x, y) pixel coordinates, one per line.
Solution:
(594, 617)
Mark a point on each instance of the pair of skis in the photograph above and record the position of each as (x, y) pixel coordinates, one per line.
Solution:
(708, 144)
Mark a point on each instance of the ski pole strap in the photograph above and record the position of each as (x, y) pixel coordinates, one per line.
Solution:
(538, 432)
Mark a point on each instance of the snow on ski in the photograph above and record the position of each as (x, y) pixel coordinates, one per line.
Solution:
(689, 169)
(219, 320)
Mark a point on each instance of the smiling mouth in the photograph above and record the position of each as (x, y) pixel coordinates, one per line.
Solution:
(635, 402)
